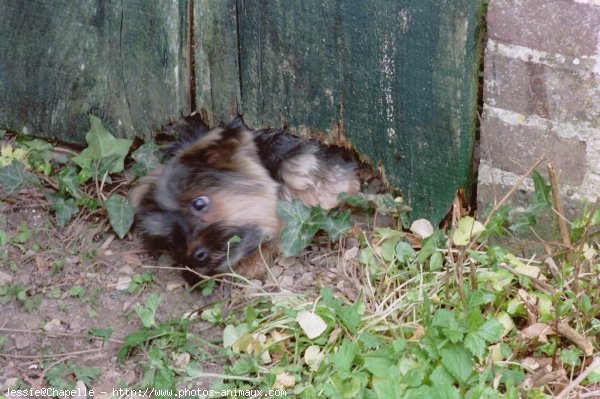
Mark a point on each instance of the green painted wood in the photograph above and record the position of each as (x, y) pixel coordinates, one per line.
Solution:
(120, 60)
(217, 77)
(397, 78)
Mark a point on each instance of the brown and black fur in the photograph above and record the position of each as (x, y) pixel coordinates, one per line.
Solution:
(225, 182)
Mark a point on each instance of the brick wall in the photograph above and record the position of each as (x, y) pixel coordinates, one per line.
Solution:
(541, 95)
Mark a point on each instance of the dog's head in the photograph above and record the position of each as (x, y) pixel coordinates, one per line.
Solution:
(213, 189)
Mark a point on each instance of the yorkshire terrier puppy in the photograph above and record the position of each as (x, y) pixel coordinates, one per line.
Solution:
(225, 182)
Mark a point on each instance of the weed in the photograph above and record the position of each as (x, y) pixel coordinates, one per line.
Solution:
(139, 281)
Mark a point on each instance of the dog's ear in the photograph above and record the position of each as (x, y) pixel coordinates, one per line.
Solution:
(146, 183)
(192, 129)
(221, 149)
(236, 123)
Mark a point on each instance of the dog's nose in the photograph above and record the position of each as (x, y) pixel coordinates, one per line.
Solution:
(200, 254)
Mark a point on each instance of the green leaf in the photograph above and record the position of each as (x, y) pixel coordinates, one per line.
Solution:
(146, 313)
(436, 262)
(300, 227)
(349, 316)
(358, 200)
(86, 374)
(146, 159)
(336, 226)
(22, 235)
(164, 383)
(405, 253)
(102, 145)
(13, 175)
(387, 388)
(440, 376)
(458, 362)
(68, 182)
(414, 377)
(440, 391)
(76, 290)
(231, 333)
(379, 366)
(569, 357)
(491, 331)
(344, 357)
(64, 210)
(467, 228)
(542, 197)
(120, 214)
(103, 333)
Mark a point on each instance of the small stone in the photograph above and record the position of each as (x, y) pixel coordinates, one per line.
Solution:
(54, 326)
(287, 262)
(276, 271)
(22, 341)
(165, 260)
(5, 278)
(132, 259)
(9, 383)
(72, 260)
(75, 326)
(286, 281)
(123, 283)
(422, 228)
(351, 253)
(182, 360)
(255, 287)
(129, 377)
(80, 390)
(173, 285)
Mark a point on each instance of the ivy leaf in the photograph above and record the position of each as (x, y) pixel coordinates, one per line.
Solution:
(68, 182)
(146, 159)
(120, 214)
(64, 209)
(102, 144)
(13, 175)
(299, 229)
(337, 226)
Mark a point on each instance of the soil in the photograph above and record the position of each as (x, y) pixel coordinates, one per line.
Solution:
(76, 279)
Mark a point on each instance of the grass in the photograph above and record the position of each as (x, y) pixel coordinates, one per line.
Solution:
(454, 315)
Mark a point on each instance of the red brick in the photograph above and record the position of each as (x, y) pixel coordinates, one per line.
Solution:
(557, 26)
(530, 88)
(514, 148)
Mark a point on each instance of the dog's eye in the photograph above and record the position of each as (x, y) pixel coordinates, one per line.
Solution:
(200, 204)
(200, 254)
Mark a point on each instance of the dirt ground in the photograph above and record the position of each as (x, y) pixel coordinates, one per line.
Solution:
(55, 286)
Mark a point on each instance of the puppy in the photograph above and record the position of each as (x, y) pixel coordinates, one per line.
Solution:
(225, 182)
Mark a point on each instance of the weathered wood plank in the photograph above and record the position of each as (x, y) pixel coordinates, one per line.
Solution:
(217, 76)
(399, 77)
(61, 60)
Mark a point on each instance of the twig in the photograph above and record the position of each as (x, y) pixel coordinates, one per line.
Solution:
(595, 364)
(57, 334)
(513, 189)
(14, 356)
(534, 281)
(562, 224)
(584, 343)
(505, 198)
